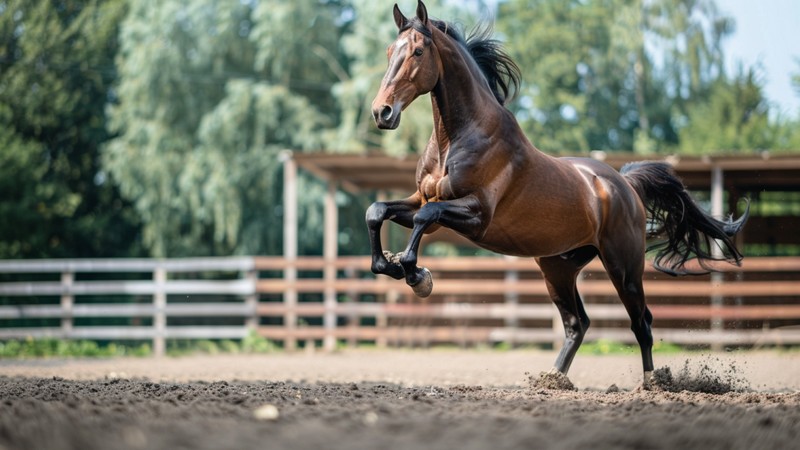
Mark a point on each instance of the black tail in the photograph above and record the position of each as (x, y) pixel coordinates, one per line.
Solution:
(685, 232)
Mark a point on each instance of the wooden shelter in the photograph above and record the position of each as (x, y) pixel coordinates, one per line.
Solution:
(727, 179)
(737, 176)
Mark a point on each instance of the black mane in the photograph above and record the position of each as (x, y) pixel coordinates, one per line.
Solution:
(500, 70)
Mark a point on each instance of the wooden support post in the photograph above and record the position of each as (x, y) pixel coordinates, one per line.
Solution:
(353, 319)
(290, 249)
(381, 319)
(717, 203)
(330, 252)
(160, 315)
(67, 301)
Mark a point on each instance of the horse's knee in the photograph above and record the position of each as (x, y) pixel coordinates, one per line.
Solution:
(376, 214)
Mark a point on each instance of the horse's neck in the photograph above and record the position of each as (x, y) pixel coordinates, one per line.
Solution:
(462, 100)
(465, 106)
(473, 112)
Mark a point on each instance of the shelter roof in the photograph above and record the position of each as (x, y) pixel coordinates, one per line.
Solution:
(743, 173)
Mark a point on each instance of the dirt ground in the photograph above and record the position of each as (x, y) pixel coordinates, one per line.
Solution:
(436, 399)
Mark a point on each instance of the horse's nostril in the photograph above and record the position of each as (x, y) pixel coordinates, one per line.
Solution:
(386, 113)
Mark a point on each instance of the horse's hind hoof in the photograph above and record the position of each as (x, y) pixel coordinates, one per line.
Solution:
(424, 287)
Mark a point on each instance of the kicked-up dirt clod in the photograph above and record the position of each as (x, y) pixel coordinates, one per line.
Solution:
(711, 377)
(551, 380)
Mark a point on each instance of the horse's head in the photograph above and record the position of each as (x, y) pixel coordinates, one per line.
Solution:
(413, 68)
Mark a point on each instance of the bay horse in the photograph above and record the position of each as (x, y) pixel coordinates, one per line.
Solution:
(481, 177)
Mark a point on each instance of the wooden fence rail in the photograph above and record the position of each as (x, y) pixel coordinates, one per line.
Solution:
(475, 300)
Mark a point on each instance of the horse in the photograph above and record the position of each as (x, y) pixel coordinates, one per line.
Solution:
(481, 177)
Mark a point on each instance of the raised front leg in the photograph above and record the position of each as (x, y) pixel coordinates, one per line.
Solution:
(464, 215)
(399, 211)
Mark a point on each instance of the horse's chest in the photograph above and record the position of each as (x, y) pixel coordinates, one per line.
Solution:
(446, 180)
(429, 188)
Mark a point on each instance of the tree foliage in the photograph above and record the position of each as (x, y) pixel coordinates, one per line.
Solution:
(612, 74)
(159, 126)
(736, 118)
(210, 94)
(56, 70)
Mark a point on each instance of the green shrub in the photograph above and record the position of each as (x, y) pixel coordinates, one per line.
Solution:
(61, 348)
(253, 343)
(58, 348)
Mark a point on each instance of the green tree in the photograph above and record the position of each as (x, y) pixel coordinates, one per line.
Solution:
(210, 93)
(611, 74)
(56, 72)
(572, 90)
(735, 119)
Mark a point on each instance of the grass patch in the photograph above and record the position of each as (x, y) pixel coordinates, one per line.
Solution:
(609, 347)
(253, 343)
(57, 348)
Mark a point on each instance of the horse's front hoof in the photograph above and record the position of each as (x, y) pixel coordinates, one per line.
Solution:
(423, 287)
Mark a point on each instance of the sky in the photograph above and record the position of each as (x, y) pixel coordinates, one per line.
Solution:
(767, 33)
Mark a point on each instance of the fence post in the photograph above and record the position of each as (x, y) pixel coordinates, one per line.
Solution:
(330, 250)
(67, 301)
(717, 194)
(353, 319)
(290, 249)
(160, 315)
(251, 301)
(389, 296)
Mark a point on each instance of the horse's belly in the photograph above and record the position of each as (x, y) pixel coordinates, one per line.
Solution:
(539, 235)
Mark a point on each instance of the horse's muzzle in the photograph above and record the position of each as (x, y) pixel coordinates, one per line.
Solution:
(386, 117)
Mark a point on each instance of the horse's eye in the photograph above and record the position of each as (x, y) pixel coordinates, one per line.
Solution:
(418, 52)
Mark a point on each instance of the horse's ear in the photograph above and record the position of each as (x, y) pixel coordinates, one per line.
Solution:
(399, 19)
(422, 12)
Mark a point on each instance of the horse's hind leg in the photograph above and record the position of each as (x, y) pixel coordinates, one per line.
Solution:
(560, 274)
(625, 267)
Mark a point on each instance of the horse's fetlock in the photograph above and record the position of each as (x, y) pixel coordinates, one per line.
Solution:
(407, 259)
(378, 267)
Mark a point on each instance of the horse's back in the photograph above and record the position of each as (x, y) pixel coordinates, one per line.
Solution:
(620, 208)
